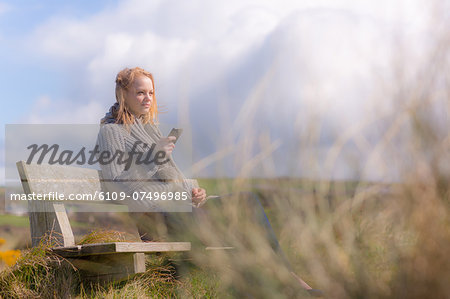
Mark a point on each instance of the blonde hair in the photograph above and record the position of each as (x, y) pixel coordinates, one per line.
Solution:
(124, 80)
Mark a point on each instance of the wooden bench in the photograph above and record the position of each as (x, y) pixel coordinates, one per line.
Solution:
(100, 262)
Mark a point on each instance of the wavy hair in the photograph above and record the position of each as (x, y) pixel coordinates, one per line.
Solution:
(124, 80)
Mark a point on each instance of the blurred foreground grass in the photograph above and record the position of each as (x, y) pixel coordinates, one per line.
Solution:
(349, 239)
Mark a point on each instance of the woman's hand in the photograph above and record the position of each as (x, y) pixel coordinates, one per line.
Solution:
(198, 196)
(166, 145)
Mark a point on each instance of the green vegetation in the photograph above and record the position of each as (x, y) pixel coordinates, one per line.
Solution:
(14, 220)
(22, 221)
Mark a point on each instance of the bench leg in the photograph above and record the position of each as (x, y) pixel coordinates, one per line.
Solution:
(109, 267)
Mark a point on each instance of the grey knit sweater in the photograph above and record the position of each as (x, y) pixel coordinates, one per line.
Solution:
(144, 177)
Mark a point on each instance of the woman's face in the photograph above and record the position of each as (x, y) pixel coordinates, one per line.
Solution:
(139, 96)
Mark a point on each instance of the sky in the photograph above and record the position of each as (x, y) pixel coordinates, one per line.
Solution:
(225, 69)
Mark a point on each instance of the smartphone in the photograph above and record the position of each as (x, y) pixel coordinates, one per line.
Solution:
(176, 133)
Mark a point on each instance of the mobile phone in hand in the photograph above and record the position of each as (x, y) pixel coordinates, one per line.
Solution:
(176, 133)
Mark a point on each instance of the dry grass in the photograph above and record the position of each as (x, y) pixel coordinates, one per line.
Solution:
(104, 236)
(39, 274)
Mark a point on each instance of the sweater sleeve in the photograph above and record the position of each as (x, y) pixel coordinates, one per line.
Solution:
(139, 179)
(171, 170)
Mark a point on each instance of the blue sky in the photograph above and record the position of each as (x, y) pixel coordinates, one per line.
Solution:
(18, 20)
(220, 66)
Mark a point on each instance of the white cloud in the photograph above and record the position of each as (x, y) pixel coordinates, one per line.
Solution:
(206, 38)
(46, 110)
(294, 57)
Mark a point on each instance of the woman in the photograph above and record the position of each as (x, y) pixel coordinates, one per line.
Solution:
(130, 127)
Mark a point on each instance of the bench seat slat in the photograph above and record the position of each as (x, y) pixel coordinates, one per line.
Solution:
(120, 247)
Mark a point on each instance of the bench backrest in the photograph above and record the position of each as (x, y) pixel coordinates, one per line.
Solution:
(51, 216)
(47, 216)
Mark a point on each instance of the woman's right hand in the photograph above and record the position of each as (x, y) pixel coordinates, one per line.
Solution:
(198, 197)
(166, 145)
